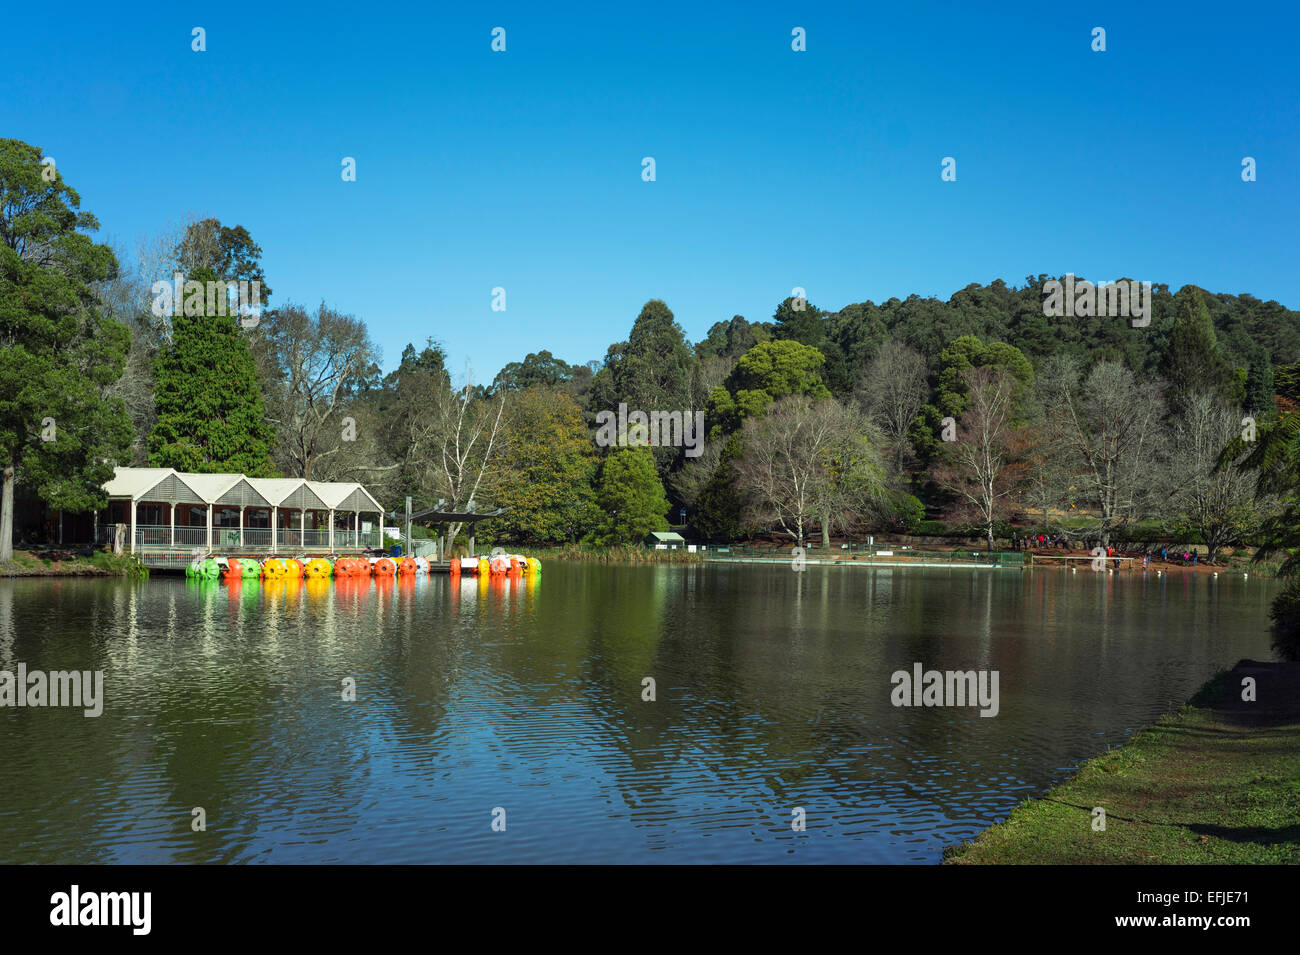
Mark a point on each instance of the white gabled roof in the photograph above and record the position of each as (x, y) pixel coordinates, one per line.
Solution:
(209, 486)
(331, 492)
(133, 482)
(334, 493)
(276, 490)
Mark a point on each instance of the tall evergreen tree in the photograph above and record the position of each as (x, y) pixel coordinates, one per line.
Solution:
(1191, 361)
(1259, 382)
(801, 321)
(630, 497)
(211, 415)
(650, 372)
(59, 434)
(229, 252)
(717, 513)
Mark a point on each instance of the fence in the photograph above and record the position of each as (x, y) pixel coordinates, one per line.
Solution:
(153, 535)
(192, 536)
(156, 537)
(866, 554)
(1108, 563)
(161, 535)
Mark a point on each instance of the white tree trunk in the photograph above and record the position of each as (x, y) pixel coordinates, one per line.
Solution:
(7, 515)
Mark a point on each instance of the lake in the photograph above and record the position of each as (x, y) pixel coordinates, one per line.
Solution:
(520, 703)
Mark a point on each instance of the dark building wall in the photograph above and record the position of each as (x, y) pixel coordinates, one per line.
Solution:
(37, 524)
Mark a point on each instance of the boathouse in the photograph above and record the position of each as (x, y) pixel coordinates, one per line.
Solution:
(164, 512)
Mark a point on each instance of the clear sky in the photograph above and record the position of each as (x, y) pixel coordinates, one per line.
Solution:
(774, 168)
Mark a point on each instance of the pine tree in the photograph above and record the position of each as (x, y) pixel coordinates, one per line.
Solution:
(1191, 360)
(1259, 383)
(211, 415)
(631, 497)
(717, 514)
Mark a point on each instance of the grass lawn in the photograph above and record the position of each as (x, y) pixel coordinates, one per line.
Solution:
(1218, 781)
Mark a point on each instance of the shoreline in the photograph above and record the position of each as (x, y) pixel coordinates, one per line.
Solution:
(1214, 782)
(104, 564)
(29, 564)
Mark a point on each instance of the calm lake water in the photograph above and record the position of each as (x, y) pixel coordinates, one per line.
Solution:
(773, 692)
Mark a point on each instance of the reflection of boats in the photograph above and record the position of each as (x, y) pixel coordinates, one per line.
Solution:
(499, 564)
(248, 567)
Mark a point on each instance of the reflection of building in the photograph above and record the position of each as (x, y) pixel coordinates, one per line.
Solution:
(170, 512)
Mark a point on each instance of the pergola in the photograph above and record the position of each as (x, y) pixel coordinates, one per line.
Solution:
(435, 515)
(170, 510)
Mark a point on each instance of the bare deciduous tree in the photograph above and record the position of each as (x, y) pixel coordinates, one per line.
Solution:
(451, 442)
(311, 362)
(1111, 427)
(806, 461)
(891, 390)
(983, 466)
(1219, 503)
(692, 477)
(1048, 471)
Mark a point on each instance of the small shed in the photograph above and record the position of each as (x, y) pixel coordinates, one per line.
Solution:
(664, 540)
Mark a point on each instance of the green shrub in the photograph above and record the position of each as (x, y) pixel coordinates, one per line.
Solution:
(931, 529)
(909, 511)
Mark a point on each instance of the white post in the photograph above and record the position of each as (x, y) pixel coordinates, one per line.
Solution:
(356, 528)
(241, 525)
(209, 528)
(302, 529)
(331, 530)
(172, 538)
(133, 525)
(275, 514)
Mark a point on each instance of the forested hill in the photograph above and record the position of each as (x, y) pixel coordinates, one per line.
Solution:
(1248, 330)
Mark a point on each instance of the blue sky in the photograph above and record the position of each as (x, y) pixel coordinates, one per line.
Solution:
(774, 169)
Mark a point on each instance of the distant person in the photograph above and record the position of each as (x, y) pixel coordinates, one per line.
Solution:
(1164, 555)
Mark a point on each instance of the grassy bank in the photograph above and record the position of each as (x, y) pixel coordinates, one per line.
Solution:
(622, 554)
(100, 564)
(1218, 781)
